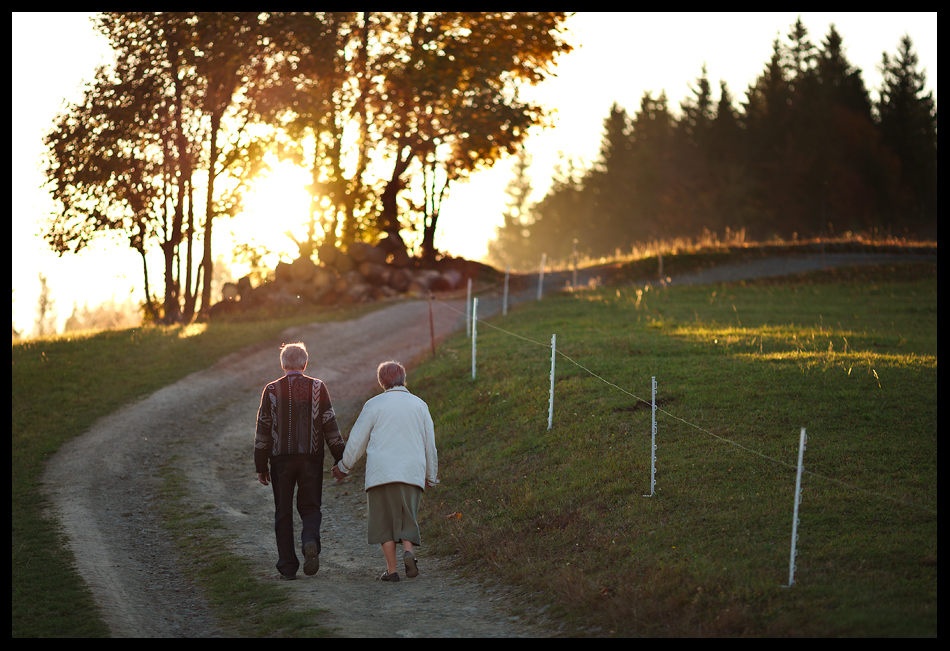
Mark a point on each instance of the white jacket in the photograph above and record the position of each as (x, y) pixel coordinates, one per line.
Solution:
(395, 431)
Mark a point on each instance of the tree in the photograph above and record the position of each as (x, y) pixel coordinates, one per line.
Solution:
(107, 315)
(653, 168)
(320, 93)
(16, 333)
(45, 323)
(229, 49)
(101, 166)
(562, 215)
(612, 185)
(451, 98)
(697, 113)
(854, 170)
(908, 122)
(802, 153)
(125, 157)
(839, 81)
(694, 189)
(427, 96)
(511, 244)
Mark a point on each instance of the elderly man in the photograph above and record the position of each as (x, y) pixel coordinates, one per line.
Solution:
(294, 421)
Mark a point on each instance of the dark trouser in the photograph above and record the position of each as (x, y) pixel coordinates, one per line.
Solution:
(307, 476)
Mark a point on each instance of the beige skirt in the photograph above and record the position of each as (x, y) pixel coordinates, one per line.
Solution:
(392, 513)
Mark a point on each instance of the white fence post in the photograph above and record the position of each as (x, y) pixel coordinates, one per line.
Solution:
(504, 304)
(468, 309)
(474, 336)
(551, 400)
(544, 257)
(653, 441)
(798, 500)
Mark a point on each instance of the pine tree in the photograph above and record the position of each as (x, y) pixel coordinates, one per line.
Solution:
(725, 131)
(840, 82)
(612, 187)
(692, 184)
(510, 246)
(766, 119)
(803, 152)
(653, 161)
(908, 123)
(854, 169)
(563, 214)
(727, 154)
(698, 112)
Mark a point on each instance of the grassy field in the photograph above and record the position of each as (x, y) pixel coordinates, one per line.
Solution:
(49, 598)
(850, 354)
(560, 513)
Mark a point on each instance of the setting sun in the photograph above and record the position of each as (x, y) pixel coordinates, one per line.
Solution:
(277, 203)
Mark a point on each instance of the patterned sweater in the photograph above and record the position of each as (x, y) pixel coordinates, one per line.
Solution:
(295, 419)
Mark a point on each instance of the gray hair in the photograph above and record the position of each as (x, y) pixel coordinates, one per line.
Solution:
(293, 357)
(391, 374)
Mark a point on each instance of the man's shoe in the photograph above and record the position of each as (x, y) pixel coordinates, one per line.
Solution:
(287, 577)
(412, 570)
(311, 561)
(394, 577)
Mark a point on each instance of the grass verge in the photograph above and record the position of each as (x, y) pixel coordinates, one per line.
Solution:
(49, 597)
(250, 607)
(849, 354)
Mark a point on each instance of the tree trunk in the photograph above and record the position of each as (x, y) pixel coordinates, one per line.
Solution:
(149, 305)
(428, 239)
(191, 293)
(207, 261)
(389, 217)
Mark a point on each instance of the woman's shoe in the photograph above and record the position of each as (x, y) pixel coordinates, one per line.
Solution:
(412, 570)
(390, 577)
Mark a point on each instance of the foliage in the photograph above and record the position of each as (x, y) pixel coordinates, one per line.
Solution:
(807, 153)
(512, 232)
(175, 110)
(194, 100)
(434, 92)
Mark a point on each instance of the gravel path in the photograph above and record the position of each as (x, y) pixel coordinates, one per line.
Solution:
(104, 485)
(770, 267)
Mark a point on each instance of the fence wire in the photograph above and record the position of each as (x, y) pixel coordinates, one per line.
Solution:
(694, 425)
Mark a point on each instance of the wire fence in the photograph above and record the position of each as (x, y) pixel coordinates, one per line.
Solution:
(799, 468)
(684, 421)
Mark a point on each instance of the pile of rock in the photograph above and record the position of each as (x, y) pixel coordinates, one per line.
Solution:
(363, 273)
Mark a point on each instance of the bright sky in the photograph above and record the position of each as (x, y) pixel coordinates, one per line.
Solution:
(617, 57)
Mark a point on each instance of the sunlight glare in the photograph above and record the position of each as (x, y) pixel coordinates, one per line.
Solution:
(191, 330)
(278, 202)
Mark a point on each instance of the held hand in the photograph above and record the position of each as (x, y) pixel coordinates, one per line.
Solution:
(338, 474)
(263, 477)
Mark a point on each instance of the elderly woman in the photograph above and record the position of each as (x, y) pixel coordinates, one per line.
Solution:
(395, 431)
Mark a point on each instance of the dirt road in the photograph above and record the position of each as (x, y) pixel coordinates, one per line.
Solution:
(104, 488)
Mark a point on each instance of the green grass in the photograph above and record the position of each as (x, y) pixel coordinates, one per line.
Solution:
(250, 607)
(851, 355)
(49, 597)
